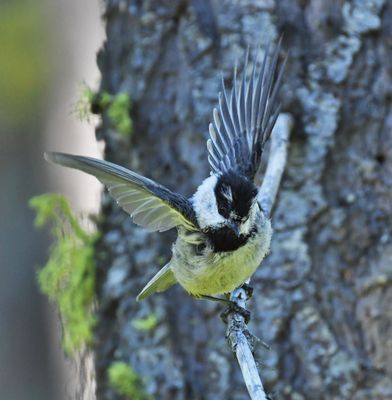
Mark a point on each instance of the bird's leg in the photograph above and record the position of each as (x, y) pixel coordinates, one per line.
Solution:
(216, 299)
(231, 307)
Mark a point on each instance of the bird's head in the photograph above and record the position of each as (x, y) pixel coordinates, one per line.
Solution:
(236, 201)
(227, 201)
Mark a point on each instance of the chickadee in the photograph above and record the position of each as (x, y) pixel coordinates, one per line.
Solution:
(223, 234)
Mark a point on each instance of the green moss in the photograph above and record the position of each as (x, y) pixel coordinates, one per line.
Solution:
(146, 324)
(118, 108)
(119, 113)
(126, 382)
(105, 99)
(82, 108)
(68, 278)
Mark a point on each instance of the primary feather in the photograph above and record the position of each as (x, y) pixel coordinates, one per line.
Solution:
(150, 204)
(245, 117)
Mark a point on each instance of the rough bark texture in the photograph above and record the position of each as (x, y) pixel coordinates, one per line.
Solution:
(322, 298)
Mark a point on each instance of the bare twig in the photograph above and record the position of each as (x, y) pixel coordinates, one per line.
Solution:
(237, 332)
(238, 336)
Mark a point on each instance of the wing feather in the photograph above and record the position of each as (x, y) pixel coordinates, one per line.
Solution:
(161, 281)
(242, 97)
(150, 204)
(246, 116)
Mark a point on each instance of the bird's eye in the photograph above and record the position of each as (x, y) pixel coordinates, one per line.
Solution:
(224, 208)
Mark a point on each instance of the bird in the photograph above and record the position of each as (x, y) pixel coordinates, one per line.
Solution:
(223, 234)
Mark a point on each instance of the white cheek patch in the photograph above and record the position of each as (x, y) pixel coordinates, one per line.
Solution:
(204, 204)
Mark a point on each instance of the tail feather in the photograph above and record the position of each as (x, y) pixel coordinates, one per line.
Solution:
(161, 281)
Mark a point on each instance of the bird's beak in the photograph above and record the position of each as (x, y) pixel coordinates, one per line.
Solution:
(234, 227)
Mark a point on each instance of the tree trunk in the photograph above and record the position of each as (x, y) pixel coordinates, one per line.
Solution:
(322, 297)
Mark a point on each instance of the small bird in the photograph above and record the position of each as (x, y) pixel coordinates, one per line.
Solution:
(223, 234)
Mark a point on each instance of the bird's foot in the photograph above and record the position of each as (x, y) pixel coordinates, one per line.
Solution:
(235, 308)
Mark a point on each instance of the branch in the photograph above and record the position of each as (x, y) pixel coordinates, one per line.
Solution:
(238, 336)
(237, 332)
(276, 163)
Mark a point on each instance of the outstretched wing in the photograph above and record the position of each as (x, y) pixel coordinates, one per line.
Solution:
(150, 204)
(244, 120)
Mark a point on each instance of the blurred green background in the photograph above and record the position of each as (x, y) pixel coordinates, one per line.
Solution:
(47, 49)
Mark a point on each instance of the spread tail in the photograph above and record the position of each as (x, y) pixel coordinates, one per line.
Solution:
(161, 281)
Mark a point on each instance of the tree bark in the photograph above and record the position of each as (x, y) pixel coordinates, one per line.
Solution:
(322, 297)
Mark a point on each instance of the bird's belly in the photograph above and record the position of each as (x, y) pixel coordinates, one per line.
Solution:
(216, 273)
